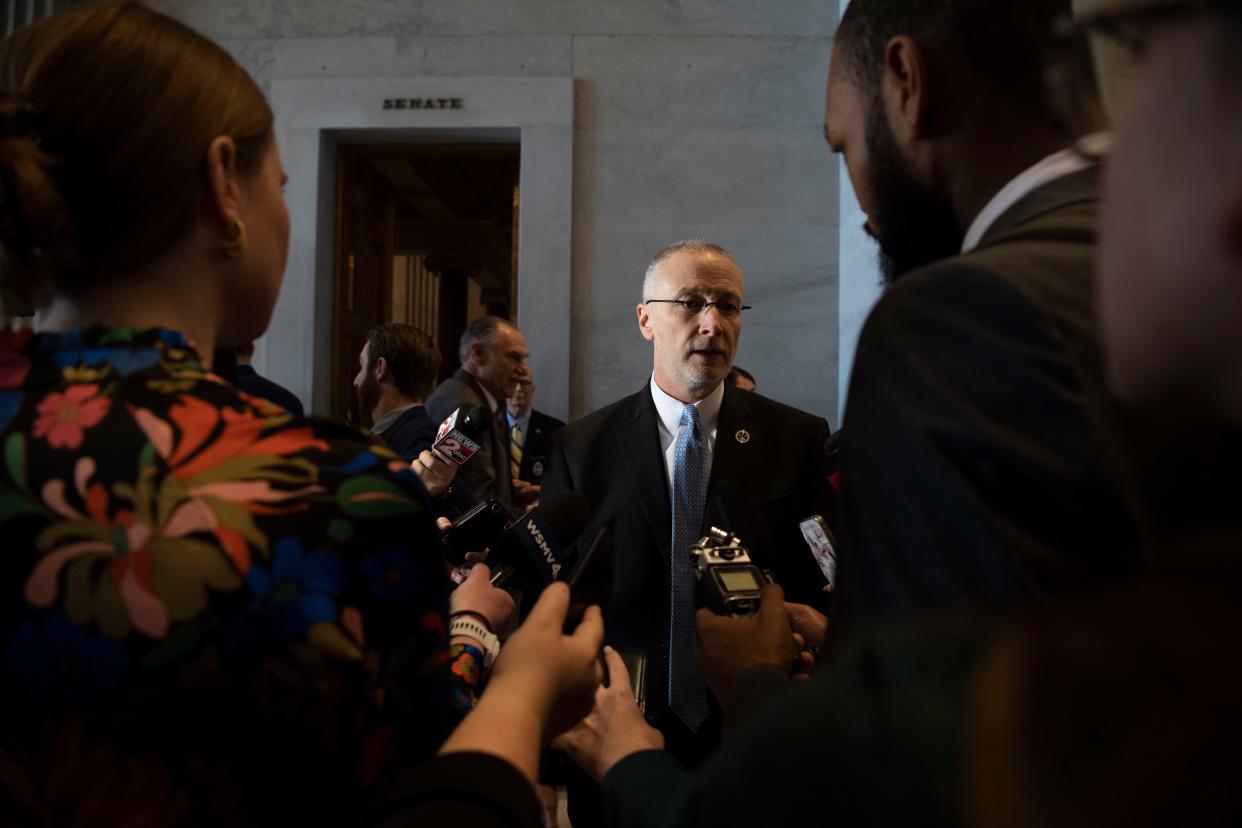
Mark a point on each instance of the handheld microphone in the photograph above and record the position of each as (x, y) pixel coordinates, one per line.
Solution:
(539, 538)
(458, 436)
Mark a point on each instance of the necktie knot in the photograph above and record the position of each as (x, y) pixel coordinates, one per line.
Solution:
(690, 420)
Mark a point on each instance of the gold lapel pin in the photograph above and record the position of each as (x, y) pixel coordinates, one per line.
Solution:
(742, 436)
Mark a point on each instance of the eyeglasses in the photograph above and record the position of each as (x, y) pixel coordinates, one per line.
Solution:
(694, 305)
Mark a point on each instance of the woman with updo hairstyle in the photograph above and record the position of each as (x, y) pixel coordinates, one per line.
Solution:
(211, 611)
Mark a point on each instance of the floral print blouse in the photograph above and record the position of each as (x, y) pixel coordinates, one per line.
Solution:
(211, 611)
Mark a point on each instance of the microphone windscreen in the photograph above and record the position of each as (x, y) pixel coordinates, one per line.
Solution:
(731, 509)
(476, 422)
(543, 534)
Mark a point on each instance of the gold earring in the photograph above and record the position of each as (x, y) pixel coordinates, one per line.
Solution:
(233, 247)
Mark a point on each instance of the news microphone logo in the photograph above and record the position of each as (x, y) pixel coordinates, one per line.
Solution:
(455, 439)
(539, 539)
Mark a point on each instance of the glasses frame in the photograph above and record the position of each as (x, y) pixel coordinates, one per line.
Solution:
(706, 304)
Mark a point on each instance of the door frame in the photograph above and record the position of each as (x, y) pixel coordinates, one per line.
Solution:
(314, 115)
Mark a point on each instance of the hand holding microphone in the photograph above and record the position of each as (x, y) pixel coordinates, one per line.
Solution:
(457, 440)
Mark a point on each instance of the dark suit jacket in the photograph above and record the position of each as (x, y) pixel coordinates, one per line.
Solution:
(981, 466)
(487, 473)
(254, 384)
(536, 444)
(613, 459)
(412, 433)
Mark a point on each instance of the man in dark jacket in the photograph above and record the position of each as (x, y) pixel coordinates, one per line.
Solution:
(493, 358)
(530, 434)
(986, 461)
(397, 368)
(255, 385)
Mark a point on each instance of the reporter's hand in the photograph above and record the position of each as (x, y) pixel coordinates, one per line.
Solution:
(547, 672)
(434, 471)
(613, 729)
(727, 644)
(525, 495)
(808, 622)
(543, 681)
(477, 595)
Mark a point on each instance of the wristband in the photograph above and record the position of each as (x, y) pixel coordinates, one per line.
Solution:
(480, 617)
(470, 628)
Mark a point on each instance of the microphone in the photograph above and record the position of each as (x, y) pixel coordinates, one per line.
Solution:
(458, 436)
(731, 509)
(543, 533)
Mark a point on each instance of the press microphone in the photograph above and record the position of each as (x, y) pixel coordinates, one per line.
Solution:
(458, 436)
(539, 539)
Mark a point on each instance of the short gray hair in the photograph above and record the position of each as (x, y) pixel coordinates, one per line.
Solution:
(694, 245)
(484, 330)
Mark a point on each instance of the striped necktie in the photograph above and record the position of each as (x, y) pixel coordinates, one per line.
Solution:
(515, 451)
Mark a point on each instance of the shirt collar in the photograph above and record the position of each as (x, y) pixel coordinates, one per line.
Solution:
(1058, 165)
(391, 417)
(521, 422)
(670, 408)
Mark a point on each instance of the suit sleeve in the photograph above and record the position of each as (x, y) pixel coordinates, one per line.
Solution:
(872, 740)
(557, 479)
(967, 470)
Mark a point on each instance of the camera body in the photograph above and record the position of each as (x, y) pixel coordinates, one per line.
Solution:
(729, 582)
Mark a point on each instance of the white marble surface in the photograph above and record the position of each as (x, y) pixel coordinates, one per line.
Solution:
(317, 18)
(692, 118)
(745, 18)
(859, 275)
(701, 82)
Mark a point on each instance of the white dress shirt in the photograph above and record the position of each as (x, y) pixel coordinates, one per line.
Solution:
(669, 410)
(1058, 165)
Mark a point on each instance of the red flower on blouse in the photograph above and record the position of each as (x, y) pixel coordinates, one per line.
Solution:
(64, 418)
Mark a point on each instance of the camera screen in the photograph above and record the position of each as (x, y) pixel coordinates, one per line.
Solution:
(738, 580)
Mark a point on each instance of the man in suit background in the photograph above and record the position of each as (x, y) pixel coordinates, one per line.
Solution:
(250, 381)
(493, 358)
(396, 370)
(645, 465)
(985, 462)
(530, 436)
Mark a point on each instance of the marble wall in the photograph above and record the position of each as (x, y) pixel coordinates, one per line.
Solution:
(693, 118)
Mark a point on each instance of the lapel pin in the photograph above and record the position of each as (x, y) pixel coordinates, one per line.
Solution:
(742, 436)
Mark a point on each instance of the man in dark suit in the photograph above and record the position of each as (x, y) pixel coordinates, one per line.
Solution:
(396, 370)
(629, 460)
(493, 358)
(530, 435)
(250, 381)
(985, 460)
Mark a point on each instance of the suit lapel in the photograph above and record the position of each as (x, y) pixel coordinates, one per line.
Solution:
(499, 437)
(1082, 187)
(639, 439)
(732, 456)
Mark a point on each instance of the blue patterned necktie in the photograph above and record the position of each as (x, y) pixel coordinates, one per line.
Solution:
(687, 694)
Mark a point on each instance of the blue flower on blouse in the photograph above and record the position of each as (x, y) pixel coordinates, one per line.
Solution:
(392, 575)
(360, 463)
(298, 590)
(173, 339)
(124, 361)
(62, 660)
(10, 402)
